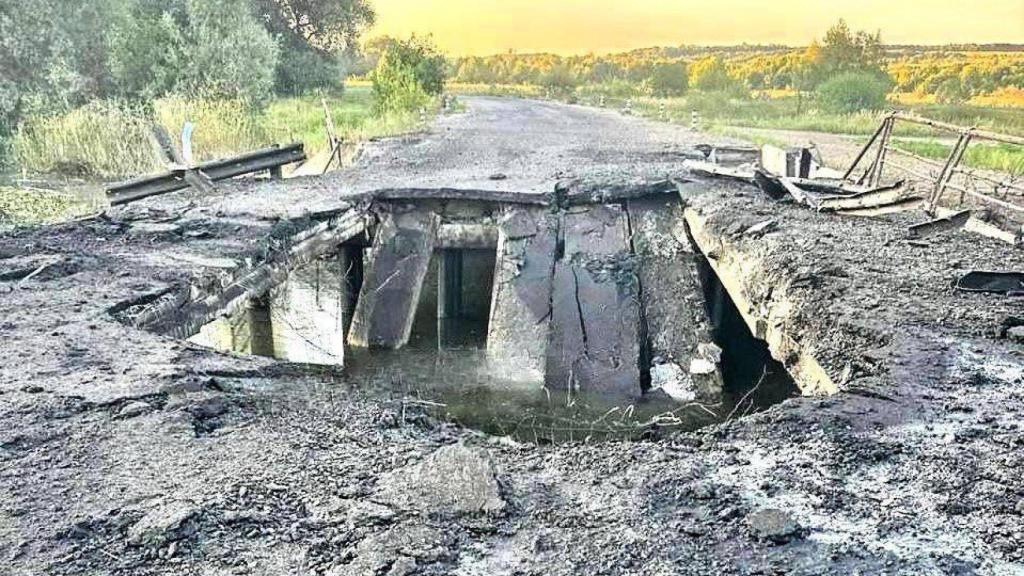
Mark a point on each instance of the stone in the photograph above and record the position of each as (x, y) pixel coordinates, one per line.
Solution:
(133, 409)
(700, 367)
(1016, 334)
(762, 228)
(171, 521)
(369, 513)
(455, 479)
(672, 380)
(773, 525)
(403, 566)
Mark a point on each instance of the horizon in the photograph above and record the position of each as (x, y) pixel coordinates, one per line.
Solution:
(564, 27)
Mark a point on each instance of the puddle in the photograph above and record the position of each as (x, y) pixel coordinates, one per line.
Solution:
(446, 372)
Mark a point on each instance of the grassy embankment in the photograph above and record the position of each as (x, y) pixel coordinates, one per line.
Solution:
(105, 141)
(734, 116)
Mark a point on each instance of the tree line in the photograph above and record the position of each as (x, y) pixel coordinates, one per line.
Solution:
(56, 55)
(953, 74)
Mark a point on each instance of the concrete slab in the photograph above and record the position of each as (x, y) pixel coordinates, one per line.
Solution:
(393, 278)
(521, 301)
(594, 339)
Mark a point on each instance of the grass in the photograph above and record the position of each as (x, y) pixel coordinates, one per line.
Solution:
(108, 141)
(26, 207)
(1000, 157)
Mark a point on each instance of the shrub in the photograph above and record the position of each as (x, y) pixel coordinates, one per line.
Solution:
(853, 92)
(668, 79)
(407, 75)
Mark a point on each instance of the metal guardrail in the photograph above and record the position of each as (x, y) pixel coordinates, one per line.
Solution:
(266, 159)
(943, 180)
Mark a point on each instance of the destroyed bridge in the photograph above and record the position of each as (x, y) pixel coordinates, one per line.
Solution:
(175, 393)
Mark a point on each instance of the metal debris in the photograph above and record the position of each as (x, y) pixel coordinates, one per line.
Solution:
(1006, 283)
(952, 222)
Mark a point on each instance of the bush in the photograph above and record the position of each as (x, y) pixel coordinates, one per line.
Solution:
(853, 92)
(407, 75)
(668, 79)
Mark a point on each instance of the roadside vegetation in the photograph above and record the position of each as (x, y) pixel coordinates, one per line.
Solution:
(84, 84)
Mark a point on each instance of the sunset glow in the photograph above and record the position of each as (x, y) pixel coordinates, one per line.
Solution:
(579, 26)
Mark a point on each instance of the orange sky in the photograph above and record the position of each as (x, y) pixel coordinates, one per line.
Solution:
(580, 26)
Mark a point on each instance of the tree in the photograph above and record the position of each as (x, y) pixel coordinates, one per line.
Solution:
(843, 50)
(853, 92)
(709, 74)
(330, 26)
(668, 79)
(408, 74)
(315, 38)
(231, 54)
(148, 56)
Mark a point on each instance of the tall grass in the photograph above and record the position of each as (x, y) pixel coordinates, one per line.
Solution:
(222, 127)
(102, 139)
(109, 140)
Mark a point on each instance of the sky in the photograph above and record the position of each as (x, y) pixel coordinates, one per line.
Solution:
(480, 27)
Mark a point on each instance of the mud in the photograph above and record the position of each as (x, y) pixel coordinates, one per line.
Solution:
(125, 452)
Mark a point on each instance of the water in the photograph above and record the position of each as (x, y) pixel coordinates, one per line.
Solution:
(464, 386)
(446, 372)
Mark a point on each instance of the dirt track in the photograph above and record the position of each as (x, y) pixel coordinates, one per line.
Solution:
(123, 452)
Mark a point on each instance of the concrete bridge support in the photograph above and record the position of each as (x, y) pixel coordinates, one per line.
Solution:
(681, 354)
(307, 313)
(521, 303)
(392, 279)
(594, 340)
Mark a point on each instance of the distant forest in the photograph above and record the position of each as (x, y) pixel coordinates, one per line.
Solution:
(949, 74)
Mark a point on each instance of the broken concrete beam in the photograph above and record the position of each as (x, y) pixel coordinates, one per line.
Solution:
(734, 155)
(793, 162)
(521, 301)
(684, 359)
(467, 236)
(594, 338)
(392, 279)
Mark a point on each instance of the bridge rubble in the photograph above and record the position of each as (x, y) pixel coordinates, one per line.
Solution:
(127, 449)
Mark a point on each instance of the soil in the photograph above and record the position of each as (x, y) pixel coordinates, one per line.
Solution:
(124, 452)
